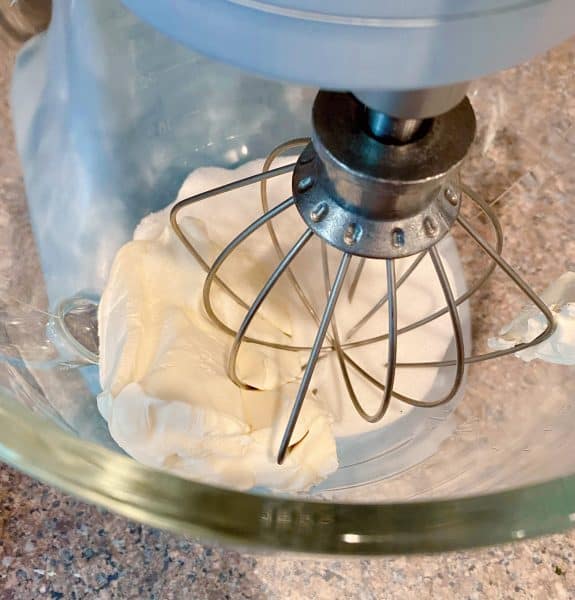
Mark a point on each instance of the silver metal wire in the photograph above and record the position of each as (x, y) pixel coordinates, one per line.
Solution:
(272, 156)
(518, 281)
(223, 189)
(343, 358)
(496, 226)
(375, 309)
(355, 280)
(327, 338)
(459, 362)
(387, 388)
(314, 355)
(276, 274)
(213, 271)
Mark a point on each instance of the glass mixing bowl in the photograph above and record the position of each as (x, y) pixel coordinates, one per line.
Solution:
(108, 135)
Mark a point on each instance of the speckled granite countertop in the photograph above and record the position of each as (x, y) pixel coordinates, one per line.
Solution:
(54, 546)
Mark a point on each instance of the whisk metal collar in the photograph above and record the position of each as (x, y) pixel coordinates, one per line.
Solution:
(376, 198)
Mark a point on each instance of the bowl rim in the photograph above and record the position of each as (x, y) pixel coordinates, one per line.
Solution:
(157, 498)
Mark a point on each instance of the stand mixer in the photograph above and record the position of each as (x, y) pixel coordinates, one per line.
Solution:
(377, 180)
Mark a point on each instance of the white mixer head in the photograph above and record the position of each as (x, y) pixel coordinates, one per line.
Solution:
(365, 44)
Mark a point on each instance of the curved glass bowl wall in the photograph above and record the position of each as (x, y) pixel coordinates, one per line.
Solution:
(101, 147)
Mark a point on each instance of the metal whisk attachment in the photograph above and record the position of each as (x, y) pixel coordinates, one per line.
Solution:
(371, 198)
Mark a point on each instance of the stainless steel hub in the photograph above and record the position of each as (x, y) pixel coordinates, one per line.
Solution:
(377, 199)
